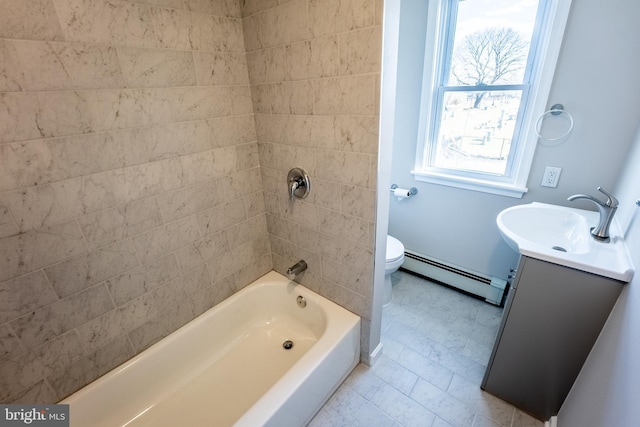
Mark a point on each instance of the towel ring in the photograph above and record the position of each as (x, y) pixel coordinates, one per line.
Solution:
(555, 110)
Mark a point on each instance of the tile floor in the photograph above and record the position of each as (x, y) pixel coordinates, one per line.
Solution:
(437, 343)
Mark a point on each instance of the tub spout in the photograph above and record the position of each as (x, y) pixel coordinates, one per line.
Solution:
(296, 269)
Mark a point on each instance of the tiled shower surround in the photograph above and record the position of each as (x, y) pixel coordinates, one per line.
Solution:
(144, 147)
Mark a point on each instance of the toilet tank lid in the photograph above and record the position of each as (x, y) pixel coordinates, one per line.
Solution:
(395, 248)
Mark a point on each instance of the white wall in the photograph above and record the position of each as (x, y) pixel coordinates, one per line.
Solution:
(596, 80)
(607, 391)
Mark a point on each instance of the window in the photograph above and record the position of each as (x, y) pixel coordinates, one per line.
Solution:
(487, 76)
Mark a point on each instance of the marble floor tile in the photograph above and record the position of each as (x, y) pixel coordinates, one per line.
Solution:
(394, 374)
(359, 411)
(401, 407)
(446, 406)
(424, 367)
(437, 343)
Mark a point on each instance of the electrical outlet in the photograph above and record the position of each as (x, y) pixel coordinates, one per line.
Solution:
(551, 176)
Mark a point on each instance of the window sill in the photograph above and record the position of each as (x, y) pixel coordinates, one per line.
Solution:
(474, 184)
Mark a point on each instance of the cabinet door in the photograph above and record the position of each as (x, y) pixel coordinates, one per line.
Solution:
(553, 320)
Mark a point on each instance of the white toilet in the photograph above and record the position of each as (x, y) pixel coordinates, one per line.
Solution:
(395, 258)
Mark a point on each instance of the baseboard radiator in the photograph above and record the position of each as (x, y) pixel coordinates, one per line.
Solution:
(491, 289)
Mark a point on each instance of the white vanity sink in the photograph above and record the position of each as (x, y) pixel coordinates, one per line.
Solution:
(561, 235)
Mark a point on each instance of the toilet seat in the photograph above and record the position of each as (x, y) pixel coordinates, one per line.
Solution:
(395, 249)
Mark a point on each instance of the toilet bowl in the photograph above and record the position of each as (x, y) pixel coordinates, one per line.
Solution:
(395, 258)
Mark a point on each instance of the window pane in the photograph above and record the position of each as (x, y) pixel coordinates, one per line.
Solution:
(476, 130)
(491, 43)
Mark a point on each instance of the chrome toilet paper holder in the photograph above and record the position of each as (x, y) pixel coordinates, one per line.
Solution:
(410, 192)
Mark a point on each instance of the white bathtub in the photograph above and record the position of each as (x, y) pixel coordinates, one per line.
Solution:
(228, 367)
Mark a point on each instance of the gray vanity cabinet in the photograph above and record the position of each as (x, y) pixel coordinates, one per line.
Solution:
(552, 318)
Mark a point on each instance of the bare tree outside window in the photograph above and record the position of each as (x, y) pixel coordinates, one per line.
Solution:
(488, 57)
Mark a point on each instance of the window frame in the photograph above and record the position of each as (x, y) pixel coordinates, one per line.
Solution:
(547, 45)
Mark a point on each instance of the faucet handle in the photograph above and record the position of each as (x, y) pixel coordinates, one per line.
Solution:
(612, 202)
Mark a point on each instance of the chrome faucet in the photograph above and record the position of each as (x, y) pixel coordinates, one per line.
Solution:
(607, 210)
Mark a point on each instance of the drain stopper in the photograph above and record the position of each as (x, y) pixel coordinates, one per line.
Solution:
(288, 344)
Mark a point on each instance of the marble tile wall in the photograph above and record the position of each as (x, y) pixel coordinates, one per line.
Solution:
(131, 196)
(314, 70)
